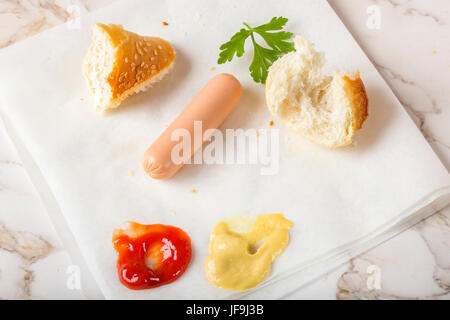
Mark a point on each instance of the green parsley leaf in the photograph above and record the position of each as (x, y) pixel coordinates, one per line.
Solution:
(262, 60)
(234, 46)
(273, 25)
(263, 57)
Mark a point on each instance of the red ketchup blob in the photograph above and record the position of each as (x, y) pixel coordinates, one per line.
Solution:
(151, 255)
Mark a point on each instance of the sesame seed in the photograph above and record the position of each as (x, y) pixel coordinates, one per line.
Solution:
(126, 60)
(135, 56)
(153, 66)
(159, 47)
(152, 58)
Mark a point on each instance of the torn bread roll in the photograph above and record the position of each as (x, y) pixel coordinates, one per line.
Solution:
(327, 110)
(120, 63)
(210, 107)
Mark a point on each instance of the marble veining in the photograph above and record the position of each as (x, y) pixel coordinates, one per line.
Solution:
(352, 284)
(38, 15)
(29, 247)
(412, 265)
(408, 9)
(21, 19)
(433, 231)
(11, 162)
(418, 115)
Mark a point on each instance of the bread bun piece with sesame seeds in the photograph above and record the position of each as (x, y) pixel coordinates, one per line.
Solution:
(120, 63)
(327, 110)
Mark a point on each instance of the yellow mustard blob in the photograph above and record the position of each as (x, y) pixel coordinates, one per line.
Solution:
(234, 262)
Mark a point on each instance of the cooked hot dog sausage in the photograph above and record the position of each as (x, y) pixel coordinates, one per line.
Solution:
(211, 106)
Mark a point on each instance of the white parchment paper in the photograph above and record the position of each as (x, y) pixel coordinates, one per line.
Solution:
(334, 197)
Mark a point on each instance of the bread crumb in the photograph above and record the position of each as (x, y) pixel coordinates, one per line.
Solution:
(81, 99)
(165, 23)
(172, 211)
(433, 52)
(130, 173)
(198, 16)
(271, 123)
(184, 33)
(193, 191)
(213, 68)
(288, 150)
(233, 5)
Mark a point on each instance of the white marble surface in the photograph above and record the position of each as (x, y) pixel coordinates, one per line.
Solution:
(408, 41)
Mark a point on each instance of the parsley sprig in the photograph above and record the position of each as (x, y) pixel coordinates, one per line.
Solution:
(262, 57)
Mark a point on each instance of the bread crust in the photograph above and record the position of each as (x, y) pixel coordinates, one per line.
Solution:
(359, 103)
(356, 92)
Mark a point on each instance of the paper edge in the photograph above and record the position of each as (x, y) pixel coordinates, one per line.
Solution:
(381, 234)
(89, 285)
(421, 210)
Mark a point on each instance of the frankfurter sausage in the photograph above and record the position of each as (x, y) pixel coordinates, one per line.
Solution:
(211, 106)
